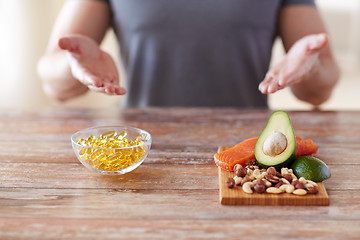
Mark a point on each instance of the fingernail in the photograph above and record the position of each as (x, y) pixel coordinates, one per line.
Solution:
(122, 91)
(63, 42)
(270, 89)
(99, 85)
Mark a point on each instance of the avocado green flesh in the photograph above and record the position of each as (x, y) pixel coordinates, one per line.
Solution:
(279, 121)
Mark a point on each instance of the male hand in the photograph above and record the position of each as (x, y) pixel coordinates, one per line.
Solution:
(301, 59)
(90, 65)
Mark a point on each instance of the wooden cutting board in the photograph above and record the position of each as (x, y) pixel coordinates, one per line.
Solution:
(236, 196)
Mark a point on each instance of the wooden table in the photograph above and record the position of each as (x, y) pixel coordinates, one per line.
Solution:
(45, 193)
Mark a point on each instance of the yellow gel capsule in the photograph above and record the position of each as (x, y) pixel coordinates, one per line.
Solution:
(109, 134)
(114, 158)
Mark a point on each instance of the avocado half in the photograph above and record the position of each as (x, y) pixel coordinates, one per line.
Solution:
(276, 145)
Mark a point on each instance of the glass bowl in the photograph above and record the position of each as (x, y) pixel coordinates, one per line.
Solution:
(111, 149)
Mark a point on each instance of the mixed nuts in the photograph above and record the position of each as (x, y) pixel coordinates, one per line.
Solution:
(252, 178)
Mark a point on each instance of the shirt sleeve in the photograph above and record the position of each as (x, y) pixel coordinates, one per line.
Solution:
(298, 2)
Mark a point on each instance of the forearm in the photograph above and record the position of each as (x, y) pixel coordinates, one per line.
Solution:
(58, 81)
(87, 18)
(317, 85)
(296, 22)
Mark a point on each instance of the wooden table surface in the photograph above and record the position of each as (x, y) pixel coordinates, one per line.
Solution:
(45, 193)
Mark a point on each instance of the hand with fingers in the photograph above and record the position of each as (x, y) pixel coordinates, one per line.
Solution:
(90, 65)
(301, 59)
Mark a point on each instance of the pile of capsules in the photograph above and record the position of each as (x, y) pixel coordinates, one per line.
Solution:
(111, 151)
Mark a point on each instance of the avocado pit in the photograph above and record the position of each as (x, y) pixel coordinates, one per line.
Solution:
(274, 144)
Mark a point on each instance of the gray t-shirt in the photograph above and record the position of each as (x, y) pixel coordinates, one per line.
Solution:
(196, 52)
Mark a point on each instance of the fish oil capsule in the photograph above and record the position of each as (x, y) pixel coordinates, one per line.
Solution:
(110, 134)
(103, 158)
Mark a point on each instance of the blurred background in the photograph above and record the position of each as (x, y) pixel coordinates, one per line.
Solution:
(26, 24)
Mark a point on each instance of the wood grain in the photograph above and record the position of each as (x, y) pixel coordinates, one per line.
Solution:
(177, 229)
(156, 204)
(45, 193)
(148, 176)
